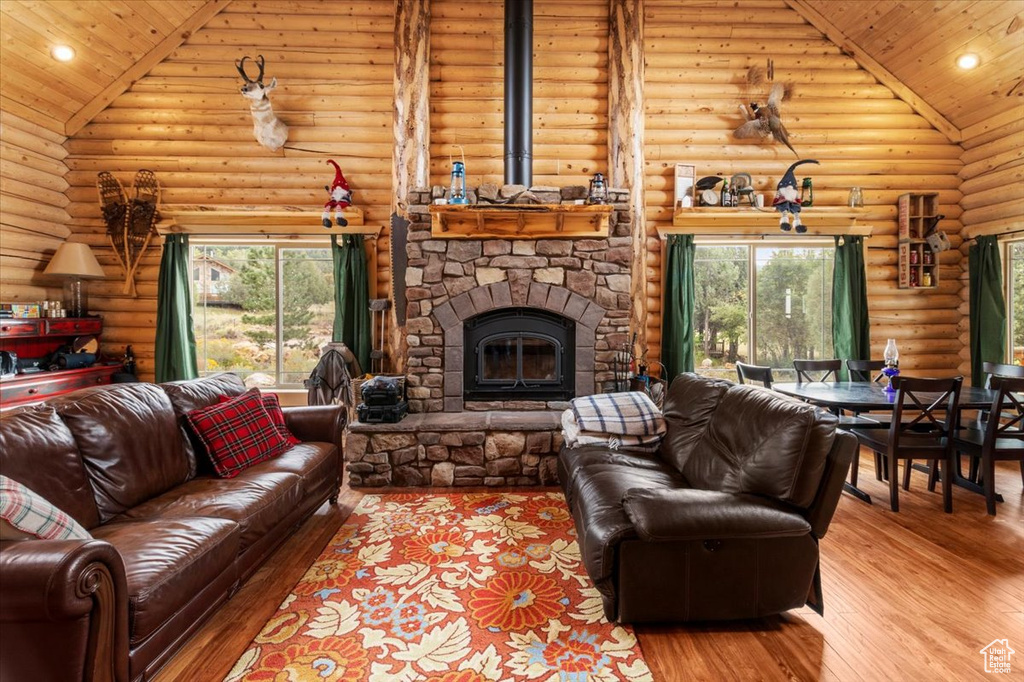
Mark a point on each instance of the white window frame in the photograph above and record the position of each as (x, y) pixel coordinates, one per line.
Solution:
(752, 245)
(278, 245)
(1007, 250)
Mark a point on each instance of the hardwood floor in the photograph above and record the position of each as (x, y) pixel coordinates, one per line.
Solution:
(912, 595)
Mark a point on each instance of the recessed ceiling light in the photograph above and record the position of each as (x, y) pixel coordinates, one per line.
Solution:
(62, 53)
(968, 61)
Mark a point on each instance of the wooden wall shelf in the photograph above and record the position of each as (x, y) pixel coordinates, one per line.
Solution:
(917, 264)
(531, 221)
(819, 220)
(221, 220)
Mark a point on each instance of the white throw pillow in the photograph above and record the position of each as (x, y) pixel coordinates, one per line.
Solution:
(24, 514)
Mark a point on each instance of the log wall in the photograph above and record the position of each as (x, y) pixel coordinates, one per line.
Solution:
(696, 63)
(187, 121)
(335, 67)
(570, 90)
(33, 208)
(992, 201)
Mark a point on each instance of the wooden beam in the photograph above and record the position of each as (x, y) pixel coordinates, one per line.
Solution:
(997, 121)
(410, 166)
(156, 55)
(626, 137)
(240, 220)
(533, 221)
(836, 35)
(820, 220)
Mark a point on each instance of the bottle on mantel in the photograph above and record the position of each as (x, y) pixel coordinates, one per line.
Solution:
(726, 201)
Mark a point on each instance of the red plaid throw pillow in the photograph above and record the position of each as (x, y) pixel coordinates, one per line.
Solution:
(237, 434)
(273, 406)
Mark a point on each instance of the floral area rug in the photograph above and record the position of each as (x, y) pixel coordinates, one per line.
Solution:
(451, 587)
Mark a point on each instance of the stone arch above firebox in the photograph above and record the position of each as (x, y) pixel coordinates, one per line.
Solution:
(516, 293)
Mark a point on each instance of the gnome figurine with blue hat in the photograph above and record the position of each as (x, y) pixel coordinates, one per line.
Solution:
(787, 200)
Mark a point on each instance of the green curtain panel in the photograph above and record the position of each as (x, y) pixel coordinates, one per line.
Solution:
(677, 315)
(351, 296)
(988, 307)
(175, 335)
(851, 338)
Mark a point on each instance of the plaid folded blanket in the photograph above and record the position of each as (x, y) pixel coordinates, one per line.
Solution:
(624, 414)
(573, 437)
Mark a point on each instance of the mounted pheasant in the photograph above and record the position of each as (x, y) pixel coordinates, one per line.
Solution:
(267, 128)
(766, 121)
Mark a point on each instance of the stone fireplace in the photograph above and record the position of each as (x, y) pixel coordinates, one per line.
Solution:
(452, 283)
(500, 334)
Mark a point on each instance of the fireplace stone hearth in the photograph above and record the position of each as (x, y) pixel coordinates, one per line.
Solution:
(469, 449)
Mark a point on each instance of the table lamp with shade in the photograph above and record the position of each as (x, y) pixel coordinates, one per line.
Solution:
(76, 264)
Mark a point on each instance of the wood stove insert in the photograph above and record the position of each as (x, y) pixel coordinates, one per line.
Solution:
(519, 353)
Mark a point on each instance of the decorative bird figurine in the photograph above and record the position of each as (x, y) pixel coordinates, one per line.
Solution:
(767, 120)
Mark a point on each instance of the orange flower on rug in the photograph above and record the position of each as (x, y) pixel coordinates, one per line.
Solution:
(446, 588)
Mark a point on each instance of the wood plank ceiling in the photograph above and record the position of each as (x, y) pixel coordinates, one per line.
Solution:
(109, 38)
(918, 41)
(915, 40)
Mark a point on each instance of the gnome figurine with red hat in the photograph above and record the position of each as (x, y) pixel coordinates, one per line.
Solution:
(341, 197)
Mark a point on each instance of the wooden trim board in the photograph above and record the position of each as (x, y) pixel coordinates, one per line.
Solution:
(140, 68)
(836, 35)
(820, 221)
(226, 220)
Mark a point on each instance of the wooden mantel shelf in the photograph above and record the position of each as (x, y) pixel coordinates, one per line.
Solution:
(528, 221)
(819, 220)
(222, 220)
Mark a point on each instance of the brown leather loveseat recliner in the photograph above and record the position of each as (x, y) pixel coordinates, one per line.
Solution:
(723, 522)
(171, 541)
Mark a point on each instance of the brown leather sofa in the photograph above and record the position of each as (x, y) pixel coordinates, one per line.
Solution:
(172, 541)
(723, 522)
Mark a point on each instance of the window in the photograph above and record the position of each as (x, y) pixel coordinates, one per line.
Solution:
(764, 305)
(1015, 302)
(262, 311)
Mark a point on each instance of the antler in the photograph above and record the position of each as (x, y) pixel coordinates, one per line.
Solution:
(259, 60)
(240, 65)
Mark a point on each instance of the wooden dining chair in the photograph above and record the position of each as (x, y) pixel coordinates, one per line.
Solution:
(829, 370)
(866, 370)
(747, 373)
(992, 370)
(920, 429)
(1003, 437)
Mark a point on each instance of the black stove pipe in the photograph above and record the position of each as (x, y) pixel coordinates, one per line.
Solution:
(519, 92)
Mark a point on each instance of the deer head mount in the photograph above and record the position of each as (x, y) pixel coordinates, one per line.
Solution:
(268, 129)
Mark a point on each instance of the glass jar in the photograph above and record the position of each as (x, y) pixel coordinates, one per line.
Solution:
(856, 198)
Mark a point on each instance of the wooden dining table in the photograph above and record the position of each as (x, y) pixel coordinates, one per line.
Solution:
(868, 396)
